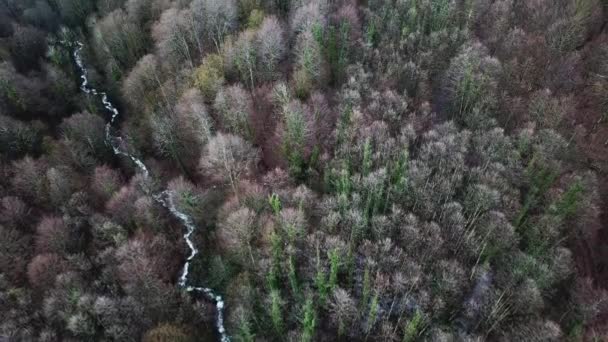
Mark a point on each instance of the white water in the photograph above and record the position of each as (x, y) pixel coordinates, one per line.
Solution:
(165, 198)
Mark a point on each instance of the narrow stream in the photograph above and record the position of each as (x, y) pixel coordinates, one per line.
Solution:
(165, 198)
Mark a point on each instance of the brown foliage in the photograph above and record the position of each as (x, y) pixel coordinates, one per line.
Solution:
(43, 269)
(167, 333)
(145, 257)
(13, 212)
(14, 251)
(105, 182)
(52, 236)
(120, 206)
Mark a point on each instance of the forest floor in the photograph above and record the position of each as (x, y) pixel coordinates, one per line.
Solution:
(591, 250)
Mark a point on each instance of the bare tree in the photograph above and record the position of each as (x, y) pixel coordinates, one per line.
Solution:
(43, 269)
(343, 311)
(241, 58)
(180, 132)
(233, 104)
(229, 157)
(15, 247)
(311, 69)
(29, 179)
(105, 182)
(83, 135)
(271, 47)
(174, 38)
(214, 19)
(143, 12)
(144, 83)
(236, 233)
(27, 46)
(119, 42)
(308, 15)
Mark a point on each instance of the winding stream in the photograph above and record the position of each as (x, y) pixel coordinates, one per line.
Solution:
(165, 198)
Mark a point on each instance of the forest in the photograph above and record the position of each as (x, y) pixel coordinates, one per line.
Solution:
(304, 170)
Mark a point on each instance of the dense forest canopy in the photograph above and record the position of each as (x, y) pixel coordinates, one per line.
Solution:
(382, 170)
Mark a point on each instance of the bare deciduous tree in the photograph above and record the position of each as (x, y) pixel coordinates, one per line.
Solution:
(214, 20)
(233, 104)
(271, 47)
(229, 157)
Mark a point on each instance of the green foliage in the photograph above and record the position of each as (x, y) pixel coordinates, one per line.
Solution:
(309, 321)
(343, 184)
(336, 49)
(321, 281)
(372, 314)
(244, 58)
(296, 131)
(398, 179)
(541, 179)
(275, 203)
(334, 268)
(569, 33)
(293, 279)
(74, 12)
(276, 312)
(310, 69)
(468, 92)
(567, 205)
(576, 332)
(244, 333)
(119, 43)
(366, 291)
(18, 138)
(429, 122)
(412, 328)
(8, 92)
(255, 19)
(219, 272)
(367, 155)
(209, 76)
(275, 268)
